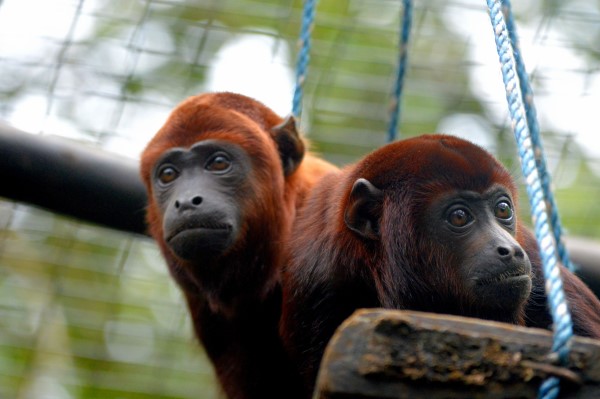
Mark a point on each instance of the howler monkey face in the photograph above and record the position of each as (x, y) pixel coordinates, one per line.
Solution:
(200, 192)
(479, 230)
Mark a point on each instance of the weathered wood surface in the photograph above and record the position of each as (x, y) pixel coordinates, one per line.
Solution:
(402, 354)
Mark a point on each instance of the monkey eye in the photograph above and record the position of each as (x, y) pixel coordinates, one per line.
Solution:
(503, 210)
(218, 163)
(460, 217)
(167, 174)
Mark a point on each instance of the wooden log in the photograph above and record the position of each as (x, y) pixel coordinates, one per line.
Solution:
(402, 354)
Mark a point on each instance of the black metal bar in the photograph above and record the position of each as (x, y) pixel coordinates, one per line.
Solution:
(585, 254)
(71, 179)
(86, 183)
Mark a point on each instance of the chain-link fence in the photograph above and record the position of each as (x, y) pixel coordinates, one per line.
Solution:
(89, 312)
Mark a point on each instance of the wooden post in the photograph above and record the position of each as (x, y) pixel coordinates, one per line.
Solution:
(403, 354)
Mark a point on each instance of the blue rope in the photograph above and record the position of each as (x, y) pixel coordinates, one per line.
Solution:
(308, 17)
(536, 139)
(401, 71)
(562, 325)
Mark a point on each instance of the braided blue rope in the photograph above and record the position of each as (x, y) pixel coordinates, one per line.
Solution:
(536, 139)
(308, 18)
(401, 71)
(562, 325)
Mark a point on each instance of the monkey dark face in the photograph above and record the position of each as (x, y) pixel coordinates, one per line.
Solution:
(479, 229)
(199, 191)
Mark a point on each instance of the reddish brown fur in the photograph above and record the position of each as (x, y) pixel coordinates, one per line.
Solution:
(234, 300)
(331, 271)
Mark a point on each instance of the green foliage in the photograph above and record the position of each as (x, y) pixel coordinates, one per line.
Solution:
(91, 313)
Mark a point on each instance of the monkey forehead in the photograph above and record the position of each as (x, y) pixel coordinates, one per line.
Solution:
(197, 119)
(437, 161)
(191, 122)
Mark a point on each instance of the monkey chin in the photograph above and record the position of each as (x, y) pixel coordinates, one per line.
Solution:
(201, 243)
(504, 290)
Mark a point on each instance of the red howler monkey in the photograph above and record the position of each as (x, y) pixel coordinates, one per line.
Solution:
(428, 224)
(224, 176)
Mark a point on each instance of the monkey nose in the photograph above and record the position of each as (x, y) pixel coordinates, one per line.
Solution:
(188, 204)
(503, 251)
(510, 251)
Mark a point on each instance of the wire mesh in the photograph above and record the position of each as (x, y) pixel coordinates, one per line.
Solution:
(88, 312)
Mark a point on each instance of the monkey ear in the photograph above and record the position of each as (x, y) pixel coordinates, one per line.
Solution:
(363, 210)
(290, 145)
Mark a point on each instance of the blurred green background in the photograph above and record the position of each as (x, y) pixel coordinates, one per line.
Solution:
(86, 312)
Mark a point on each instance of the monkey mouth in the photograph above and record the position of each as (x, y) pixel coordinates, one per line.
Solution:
(199, 241)
(506, 277)
(214, 227)
(505, 290)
